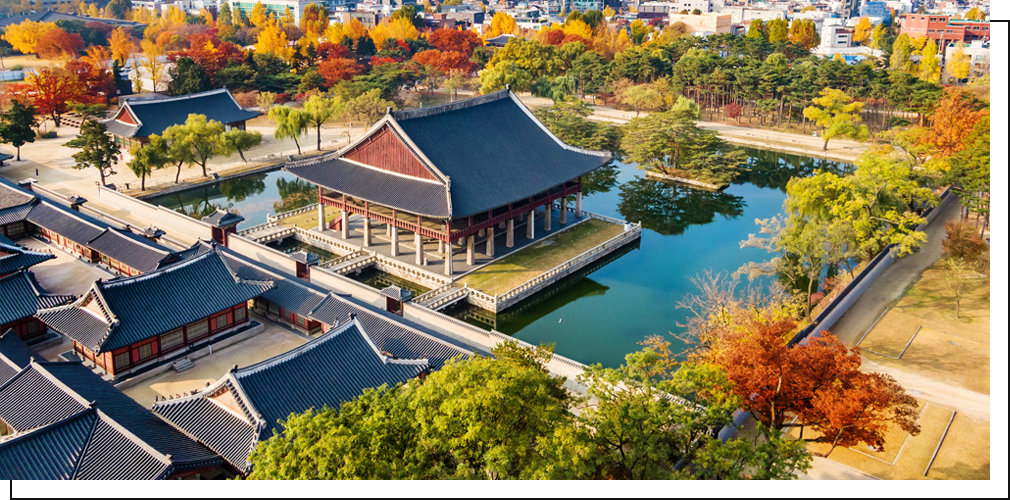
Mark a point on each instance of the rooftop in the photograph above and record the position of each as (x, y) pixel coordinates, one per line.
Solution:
(154, 115)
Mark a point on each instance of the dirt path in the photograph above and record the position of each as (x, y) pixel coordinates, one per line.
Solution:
(970, 403)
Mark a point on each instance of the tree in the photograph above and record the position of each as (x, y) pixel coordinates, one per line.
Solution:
(205, 138)
(258, 17)
(17, 125)
(864, 29)
(929, 65)
(237, 140)
(340, 68)
(778, 30)
(291, 123)
(672, 143)
(180, 147)
(97, 149)
(369, 105)
(568, 119)
(57, 43)
(838, 115)
(187, 77)
(959, 65)
(149, 157)
(803, 32)
(502, 24)
(502, 74)
(54, 89)
(273, 40)
(321, 109)
(901, 53)
(87, 111)
(756, 29)
(153, 63)
(24, 36)
(118, 9)
(641, 96)
(962, 243)
(266, 100)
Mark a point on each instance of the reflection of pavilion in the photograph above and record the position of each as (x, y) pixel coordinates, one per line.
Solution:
(452, 174)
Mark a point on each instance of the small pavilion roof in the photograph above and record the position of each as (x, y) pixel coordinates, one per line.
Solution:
(14, 258)
(119, 312)
(484, 153)
(247, 404)
(223, 218)
(154, 115)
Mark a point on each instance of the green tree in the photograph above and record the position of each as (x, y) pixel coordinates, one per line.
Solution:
(369, 106)
(149, 157)
(838, 115)
(641, 96)
(18, 122)
(672, 143)
(187, 77)
(756, 29)
(502, 74)
(239, 141)
(291, 123)
(321, 109)
(901, 53)
(87, 110)
(97, 149)
(568, 119)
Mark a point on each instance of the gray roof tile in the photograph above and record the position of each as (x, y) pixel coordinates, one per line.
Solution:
(21, 297)
(13, 258)
(157, 114)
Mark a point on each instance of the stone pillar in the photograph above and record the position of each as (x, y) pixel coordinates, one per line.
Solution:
(509, 236)
(530, 230)
(343, 225)
(366, 231)
(418, 249)
(564, 211)
(548, 208)
(441, 247)
(490, 242)
(394, 240)
(322, 217)
(469, 250)
(578, 205)
(448, 259)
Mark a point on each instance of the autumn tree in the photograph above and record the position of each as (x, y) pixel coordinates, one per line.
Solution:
(340, 68)
(640, 97)
(864, 29)
(803, 32)
(291, 123)
(98, 149)
(901, 53)
(929, 64)
(274, 40)
(17, 125)
(54, 89)
(838, 115)
(148, 157)
(58, 44)
(961, 242)
(446, 39)
(756, 29)
(959, 65)
(315, 20)
(953, 119)
(502, 24)
(153, 63)
(24, 36)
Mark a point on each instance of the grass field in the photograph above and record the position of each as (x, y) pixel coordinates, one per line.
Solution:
(946, 348)
(903, 456)
(965, 451)
(534, 260)
(310, 219)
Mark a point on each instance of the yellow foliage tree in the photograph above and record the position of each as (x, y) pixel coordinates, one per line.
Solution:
(578, 27)
(258, 17)
(93, 11)
(273, 40)
(929, 65)
(398, 29)
(153, 63)
(502, 24)
(864, 28)
(207, 17)
(175, 16)
(25, 36)
(289, 17)
(609, 12)
(959, 65)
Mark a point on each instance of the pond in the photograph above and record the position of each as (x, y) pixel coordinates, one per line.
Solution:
(601, 314)
(253, 196)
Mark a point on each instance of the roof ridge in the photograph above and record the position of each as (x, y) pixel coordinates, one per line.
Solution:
(87, 441)
(156, 273)
(46, 427)
(105, 417)
(41, 368)
(295, 352)
(409, 114)
(175, 98)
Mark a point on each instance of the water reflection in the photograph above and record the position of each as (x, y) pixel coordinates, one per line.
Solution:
(768, 169)
(601, 180)
(669, 209)
(294, 193)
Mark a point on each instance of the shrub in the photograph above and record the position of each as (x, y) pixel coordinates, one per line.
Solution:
(45, 134)
(247, 99)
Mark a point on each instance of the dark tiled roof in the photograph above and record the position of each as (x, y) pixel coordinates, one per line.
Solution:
(15, 203)
(141, 307)
(223, 218)
(17, 258)
(500, 40)
(21, 297)
(155, 115)
(130, 249)
(34, 398)
(377, 186)
(68, 223)
(493, 150)
(6, 156)
(326, 371)
(50, 16)
(14, 355)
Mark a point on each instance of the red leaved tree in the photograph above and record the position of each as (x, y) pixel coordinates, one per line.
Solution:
(447, 39)
(53, 88)
(335, 70)
(57, 43)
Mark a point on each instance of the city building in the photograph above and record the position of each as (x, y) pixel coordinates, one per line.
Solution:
(449, 172)
(126, 324)
(139, 118)
(944, 28)
(703, 24)
(275, 7)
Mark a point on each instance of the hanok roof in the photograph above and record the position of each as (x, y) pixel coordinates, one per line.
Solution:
(15, 203)
(478, 154)
(222, 218)
(22, 297)
(500, 40)
(130, 249)
(122, 311)
(14, 355)
(121, 439)
(145, 117)
(70, 224)
(14, 258)
(245, 406)
(390, 334)
(397, 293)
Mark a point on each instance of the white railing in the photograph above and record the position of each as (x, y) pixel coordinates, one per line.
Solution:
(291, 213)
(260, 227)
(432, 293)
(333, 243)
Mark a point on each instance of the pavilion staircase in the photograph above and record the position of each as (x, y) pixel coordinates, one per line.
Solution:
(442, 297)
(182, 365)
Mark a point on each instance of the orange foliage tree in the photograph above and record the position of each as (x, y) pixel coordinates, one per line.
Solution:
(339, 68)
(819, 383)
(952, 121)
(53, 88)
(446, 39)
(57, 43)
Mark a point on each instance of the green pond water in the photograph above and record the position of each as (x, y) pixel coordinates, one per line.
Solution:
(600, 314)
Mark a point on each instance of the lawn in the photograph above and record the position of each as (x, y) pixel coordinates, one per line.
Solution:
(540, 257)
(310, 219)
(965, 451)
(946, 348)
(904, 456)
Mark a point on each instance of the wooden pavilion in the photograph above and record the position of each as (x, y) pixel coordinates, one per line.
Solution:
(451, 172)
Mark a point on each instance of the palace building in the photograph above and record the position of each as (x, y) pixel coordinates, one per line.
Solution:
(452, 172)
(21, 298)
(14, 258)
(60, 420)
(139, 118)
(125, 324)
